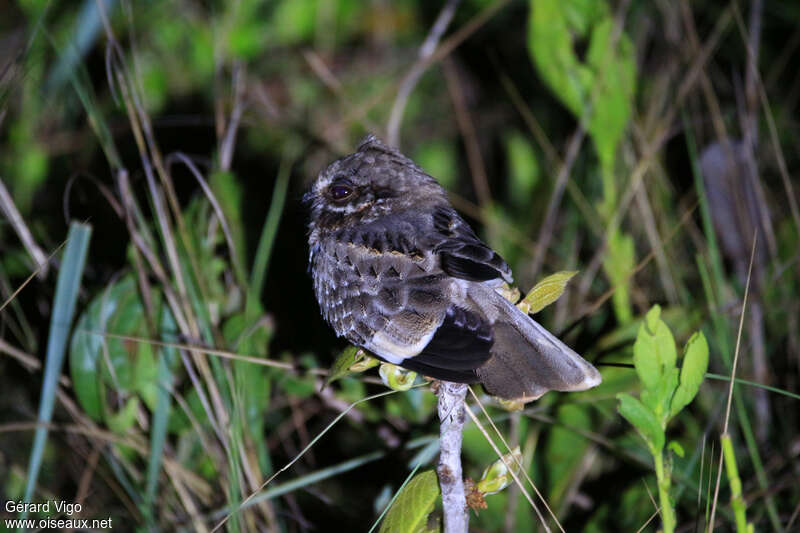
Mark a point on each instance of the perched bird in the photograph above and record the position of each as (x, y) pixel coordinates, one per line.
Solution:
(398, 272)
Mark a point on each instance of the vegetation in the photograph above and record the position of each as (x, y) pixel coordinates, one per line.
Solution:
(164, 364)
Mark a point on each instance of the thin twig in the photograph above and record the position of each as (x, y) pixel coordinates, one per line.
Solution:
(467, 127)
(417, 69)
(546, 231)
(449, 44)
(228, 142)
(11, 212)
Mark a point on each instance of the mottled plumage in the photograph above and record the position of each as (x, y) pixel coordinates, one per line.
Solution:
(397, 271)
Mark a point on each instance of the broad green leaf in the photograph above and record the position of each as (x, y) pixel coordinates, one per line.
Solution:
(659, 398)
(409, 512)
(613, 87)
(693, 371)
(248, 332)
(552, 25)
(654, 349)
(546, 292)
(145, 374)
(341, 366)
(643, 420)
(100, 362)
(599, 89)
(87, 344)
(163, 382)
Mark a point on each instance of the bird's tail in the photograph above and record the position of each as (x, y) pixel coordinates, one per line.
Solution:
(527, 360)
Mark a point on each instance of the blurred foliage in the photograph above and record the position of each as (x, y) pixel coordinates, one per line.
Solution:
(185, 134)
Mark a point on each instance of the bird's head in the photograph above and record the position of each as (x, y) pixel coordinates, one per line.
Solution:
(372, 182)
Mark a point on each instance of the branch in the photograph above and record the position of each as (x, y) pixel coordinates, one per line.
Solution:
(451, 480)
(412, 77)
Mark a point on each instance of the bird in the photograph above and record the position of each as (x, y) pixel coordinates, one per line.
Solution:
(398, 272)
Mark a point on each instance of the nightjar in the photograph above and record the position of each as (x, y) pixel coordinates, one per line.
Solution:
(398, 272)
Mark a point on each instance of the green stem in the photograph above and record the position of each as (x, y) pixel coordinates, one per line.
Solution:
(618, 262)
(737, 502)
(667, 512)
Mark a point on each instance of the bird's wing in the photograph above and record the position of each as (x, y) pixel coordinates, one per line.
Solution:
(526, 360)
(399, 301)
(461, 253)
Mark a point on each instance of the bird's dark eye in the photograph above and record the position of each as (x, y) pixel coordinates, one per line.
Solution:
(341, 189)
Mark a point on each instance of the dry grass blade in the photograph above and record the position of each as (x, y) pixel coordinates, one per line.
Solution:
(29, 278)
(733, 381)
(11, 212)
(199, 349)
(652, 516)
(773, 130)
(183, 158)
(303, 452)
(510, 469)
(521, 466)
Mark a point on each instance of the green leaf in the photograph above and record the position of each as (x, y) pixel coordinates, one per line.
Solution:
(693, 370)
(122, 420)
(409, 513)
(67, 286)
(658, 398)
(86, 346)
(599, 89)
(497, 476)
(364, 362)
(341, 366)
(643, 420)
(613, 87)
(546, 291)
(654, 349)
(395, 377)
(99, 363)
(167, 360)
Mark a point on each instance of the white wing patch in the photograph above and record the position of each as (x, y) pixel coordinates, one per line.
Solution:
(394, 352)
